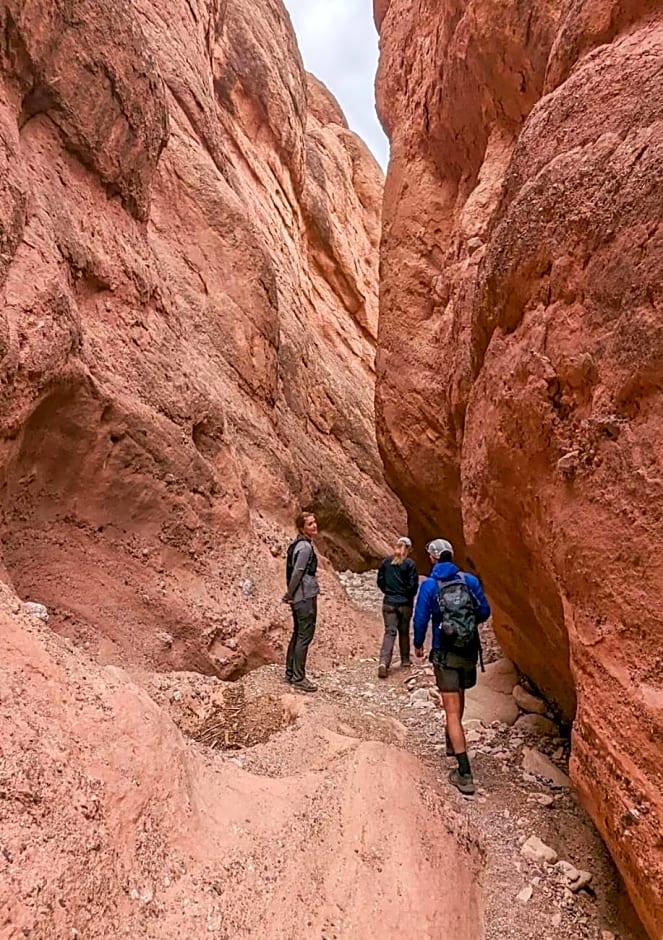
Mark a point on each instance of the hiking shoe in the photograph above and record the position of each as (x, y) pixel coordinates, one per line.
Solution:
(288, 679)
(383, 670)
(406, 664)
(462, 782)
(304, 685)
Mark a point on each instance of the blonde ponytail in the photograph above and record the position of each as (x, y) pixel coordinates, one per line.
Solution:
(401, 553)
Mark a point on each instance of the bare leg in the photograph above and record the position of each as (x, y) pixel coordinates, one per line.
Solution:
(454, 703)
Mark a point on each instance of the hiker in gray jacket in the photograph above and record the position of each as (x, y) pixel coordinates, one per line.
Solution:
(302, 595)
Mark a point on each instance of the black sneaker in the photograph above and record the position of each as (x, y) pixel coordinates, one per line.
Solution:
(462, 782)
(304, 685)
(383, 670)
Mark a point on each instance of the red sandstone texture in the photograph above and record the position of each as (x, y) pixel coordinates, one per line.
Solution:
(520, 361)
(113, 825)
(188, 312)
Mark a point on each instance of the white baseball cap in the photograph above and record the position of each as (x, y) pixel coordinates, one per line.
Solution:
(404, 540)
(438, 547)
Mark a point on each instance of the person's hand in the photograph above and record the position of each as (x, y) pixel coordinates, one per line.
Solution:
(286, 599)
(419, 652)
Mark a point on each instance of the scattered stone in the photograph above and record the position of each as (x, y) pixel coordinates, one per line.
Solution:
(568, 463)
(576, 879)
(419, 695)
(528, 702)
(608, 935)
(543, 799)
(36, 610)
(557, 919)
(248, 587)
(536, 724)
(583, 881)
(525, 895)
(537, 764)
(537, 851)
(165, 639)
(474, 724)
(569, 871)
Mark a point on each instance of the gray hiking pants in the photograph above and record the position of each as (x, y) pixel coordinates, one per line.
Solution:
(396, 623)
(304, 616)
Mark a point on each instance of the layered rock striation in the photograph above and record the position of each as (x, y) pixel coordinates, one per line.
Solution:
(520, 364)
(188, 312)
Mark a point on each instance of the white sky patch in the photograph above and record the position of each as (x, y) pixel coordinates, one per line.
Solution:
(339, 45)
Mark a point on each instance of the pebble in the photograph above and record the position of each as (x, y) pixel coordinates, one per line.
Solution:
(525, 895)
(534, 762)
(569, 871)
(537, 851)
(36, 609)
(583, 881)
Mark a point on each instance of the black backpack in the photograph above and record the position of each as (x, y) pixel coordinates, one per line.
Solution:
(459, 619)
(312, 566)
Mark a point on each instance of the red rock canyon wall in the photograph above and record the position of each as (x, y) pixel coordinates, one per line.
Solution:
(188, 311)
(520, 363)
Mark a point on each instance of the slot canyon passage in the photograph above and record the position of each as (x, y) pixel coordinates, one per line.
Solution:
(214, 309)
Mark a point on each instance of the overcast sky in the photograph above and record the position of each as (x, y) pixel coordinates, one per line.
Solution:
(339, 44)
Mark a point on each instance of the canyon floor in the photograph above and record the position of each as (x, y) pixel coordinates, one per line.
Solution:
(377, 839)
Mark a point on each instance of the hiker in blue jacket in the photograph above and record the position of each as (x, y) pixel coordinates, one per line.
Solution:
(455, 603)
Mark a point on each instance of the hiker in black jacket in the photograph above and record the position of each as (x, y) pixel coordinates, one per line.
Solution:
(302, 595)
(398, 579)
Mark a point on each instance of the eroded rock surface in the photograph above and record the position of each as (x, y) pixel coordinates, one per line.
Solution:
(188, 310)
(521, 356)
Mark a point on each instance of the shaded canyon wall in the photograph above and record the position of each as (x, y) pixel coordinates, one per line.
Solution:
(188, 312)
(520, 363)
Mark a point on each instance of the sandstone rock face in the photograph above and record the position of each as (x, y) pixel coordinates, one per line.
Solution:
(520, 361)
(111, 825)
(188, 311)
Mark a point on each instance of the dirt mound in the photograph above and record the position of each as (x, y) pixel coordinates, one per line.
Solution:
(111, 824)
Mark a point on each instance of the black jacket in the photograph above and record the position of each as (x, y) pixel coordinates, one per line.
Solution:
(398, 583)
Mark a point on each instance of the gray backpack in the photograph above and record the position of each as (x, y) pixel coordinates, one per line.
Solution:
(459, 620)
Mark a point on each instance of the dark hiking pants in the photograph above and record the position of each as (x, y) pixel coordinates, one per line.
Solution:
(396, 623)
(304, 616)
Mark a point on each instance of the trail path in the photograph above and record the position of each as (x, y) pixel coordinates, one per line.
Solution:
(408, 852)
